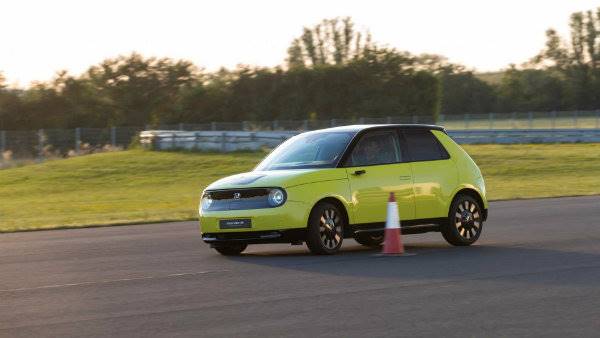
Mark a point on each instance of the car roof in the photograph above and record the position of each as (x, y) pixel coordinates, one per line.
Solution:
(361, 127)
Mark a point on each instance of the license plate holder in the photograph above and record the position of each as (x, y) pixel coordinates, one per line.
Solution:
(237, 223)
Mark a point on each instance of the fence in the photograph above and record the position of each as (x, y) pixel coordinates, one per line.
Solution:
(244, 140)
(511, 136)
(60, 142)
(528, 120)
(222, 141)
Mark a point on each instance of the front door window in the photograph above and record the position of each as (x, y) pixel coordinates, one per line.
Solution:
(379, 147)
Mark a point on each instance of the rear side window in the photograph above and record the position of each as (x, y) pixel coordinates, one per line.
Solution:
(422, 145)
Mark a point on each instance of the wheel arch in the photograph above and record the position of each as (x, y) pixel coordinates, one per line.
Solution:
(340, 205)
(473, 193)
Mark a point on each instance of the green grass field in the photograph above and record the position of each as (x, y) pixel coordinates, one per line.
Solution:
(143, 186)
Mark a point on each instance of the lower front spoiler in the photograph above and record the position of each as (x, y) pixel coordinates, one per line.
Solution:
(256, 237)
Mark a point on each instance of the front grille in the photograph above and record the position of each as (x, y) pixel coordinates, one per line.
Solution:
(239, 199)
(243, 193)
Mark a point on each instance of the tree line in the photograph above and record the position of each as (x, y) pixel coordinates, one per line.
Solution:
(332, 70)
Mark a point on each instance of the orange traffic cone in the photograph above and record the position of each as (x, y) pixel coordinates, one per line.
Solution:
(392, 244)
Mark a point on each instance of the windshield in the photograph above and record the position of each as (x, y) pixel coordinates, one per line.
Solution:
(309, 150)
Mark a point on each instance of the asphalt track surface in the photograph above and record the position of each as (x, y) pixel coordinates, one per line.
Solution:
(534, 272)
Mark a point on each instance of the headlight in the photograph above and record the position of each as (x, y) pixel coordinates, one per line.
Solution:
(206, 201)
(276, 197)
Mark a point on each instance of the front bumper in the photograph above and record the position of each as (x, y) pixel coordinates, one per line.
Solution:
(291, 215)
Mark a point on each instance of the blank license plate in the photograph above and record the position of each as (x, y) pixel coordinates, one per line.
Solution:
(239, 223)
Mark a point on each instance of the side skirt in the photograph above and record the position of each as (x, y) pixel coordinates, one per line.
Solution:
(418, 226)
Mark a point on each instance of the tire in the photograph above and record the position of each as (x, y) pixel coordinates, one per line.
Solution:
(325, 229)
(231, 249)
(372, 240)
(464, 223)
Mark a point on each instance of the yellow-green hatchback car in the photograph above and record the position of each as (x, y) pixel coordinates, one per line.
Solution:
(322, 186)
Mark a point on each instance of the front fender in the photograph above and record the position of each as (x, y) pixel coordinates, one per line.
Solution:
(311, 193)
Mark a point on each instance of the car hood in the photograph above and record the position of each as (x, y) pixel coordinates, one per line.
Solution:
(278, 178)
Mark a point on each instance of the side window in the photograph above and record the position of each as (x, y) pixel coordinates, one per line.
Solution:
(377, 147)
(422, 145)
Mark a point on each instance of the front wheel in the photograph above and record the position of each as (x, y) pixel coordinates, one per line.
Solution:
(231, 249)
(325, 229)
(464, 223)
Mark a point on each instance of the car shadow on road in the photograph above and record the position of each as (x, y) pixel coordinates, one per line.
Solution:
(439, 261)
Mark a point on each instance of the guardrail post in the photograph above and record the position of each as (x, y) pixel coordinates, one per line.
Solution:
(77, 140)
(223, 141)
(3, 141)
(491, 121)
(245, 125)
(113, 136)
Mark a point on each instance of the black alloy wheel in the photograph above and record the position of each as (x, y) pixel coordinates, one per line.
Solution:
(465, 221)
(325, 229)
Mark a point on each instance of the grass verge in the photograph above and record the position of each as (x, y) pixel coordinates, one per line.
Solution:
(139, 186)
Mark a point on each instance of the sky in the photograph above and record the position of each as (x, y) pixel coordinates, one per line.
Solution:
(39, 38)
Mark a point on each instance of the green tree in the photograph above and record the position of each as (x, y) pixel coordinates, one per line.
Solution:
(137, 90)
(461, 91)
(332, 41)
(576, 60)
(532, 90)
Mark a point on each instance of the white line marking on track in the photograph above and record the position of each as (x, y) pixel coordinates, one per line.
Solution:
(108, 281)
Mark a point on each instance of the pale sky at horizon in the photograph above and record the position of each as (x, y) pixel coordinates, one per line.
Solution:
(40, 38)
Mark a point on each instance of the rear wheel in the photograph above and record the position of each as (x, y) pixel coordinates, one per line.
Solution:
(465, 221)
(325, 229)
(231, 249)
(369, 239)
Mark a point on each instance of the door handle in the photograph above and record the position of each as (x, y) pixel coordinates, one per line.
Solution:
(359, 172)
(405, 177)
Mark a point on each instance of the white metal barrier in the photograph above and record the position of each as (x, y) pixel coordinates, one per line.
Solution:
(227, 141)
